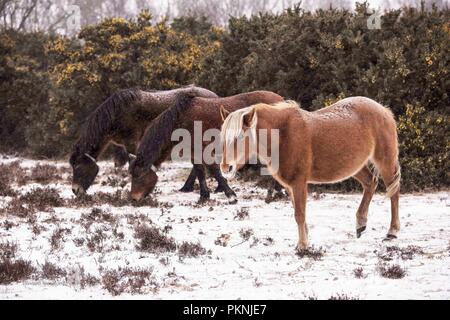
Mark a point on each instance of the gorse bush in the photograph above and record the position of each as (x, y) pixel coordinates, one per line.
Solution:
(115, 54)
(49, 84)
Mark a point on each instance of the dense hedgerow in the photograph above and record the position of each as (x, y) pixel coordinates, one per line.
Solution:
(49, 84)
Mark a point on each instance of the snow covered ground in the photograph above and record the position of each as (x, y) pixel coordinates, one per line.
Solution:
(247, 257)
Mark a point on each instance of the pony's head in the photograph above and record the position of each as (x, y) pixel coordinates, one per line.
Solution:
(143, 180)
(238, 137)
(85, 170)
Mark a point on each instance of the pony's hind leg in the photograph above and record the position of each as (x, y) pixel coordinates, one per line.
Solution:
(391, 178)
(299, 194)
(369, 182)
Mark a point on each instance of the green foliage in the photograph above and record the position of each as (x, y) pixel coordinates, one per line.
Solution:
(321, 57)
(24, 85)
(424, 148)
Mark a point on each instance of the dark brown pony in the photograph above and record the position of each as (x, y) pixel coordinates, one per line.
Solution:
(156, 144)
(120, 120)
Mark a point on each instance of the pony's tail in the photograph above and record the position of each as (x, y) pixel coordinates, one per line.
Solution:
(158, 134)
(394, 186)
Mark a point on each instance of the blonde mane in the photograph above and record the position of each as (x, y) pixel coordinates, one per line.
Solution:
(285, 104)
(232, 127)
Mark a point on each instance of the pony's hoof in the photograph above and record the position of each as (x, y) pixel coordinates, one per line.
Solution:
(186, 189)
(300, 247)
(232, 200)
(390, 237)
(360, 231)
(203, 199)
(219, 189)
(230, 194)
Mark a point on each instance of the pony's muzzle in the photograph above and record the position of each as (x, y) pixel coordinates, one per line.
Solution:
(136, 196)
(228, 170)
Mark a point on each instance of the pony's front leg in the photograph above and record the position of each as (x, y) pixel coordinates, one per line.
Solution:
(222, 184)
(204, 191)
(299, 194)
(189, 184)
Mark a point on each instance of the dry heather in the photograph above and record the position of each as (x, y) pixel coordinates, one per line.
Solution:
(191, 250)
(51, 271)
(44, 174)
(392, 252)
(394, 271)
(43, 199)
(153, 240)
(312, 252)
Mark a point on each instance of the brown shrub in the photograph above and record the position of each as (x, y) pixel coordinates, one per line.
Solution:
(118, 199)
(359, 273)
(51, 272)
(392, 252)
(342, 296)
(13, 172)
(128, 280)
(43, 198)
(17, 208)
(241, 214)
(44, 173)
(191, 250)
(394, 271)
(151, 239)
(57, 237)
(95, 242)
(313, 253)
(12, 271)
(8, 250)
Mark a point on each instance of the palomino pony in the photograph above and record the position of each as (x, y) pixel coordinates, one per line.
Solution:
(156, 144)
(325, 146)
(120, 120)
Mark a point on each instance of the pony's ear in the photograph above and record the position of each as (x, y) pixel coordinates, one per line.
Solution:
(224, 113)
(249, 118)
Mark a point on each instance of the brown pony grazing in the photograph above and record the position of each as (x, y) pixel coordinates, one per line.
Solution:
(156, 144)
(120, 120)
(325, 146)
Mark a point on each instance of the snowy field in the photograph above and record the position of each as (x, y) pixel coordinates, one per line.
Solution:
(99, 249)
